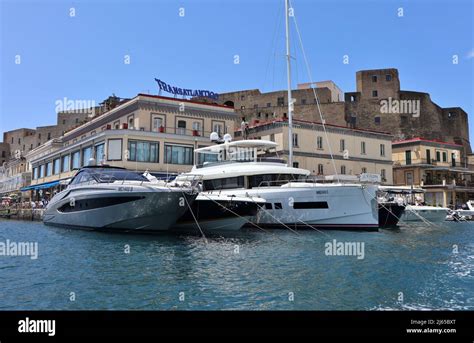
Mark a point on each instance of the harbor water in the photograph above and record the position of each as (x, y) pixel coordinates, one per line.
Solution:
(409, 268)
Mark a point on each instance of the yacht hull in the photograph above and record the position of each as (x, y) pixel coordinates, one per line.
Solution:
(302, 205)
(146, 209)
(390, 214)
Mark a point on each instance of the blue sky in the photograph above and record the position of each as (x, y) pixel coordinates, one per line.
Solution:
(82, 57)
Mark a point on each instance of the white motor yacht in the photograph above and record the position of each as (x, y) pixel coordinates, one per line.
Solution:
(244, 169)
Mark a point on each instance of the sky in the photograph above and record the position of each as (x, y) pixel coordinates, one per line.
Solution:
(79, 49)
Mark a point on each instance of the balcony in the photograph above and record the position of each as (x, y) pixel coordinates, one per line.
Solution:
(448, 183)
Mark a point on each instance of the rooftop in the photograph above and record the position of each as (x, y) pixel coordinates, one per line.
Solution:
(423, 140)
(296, 121)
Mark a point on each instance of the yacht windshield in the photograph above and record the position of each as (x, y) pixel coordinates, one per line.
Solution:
(107, 176)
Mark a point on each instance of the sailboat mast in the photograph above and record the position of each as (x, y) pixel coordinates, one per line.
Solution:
(288, 72)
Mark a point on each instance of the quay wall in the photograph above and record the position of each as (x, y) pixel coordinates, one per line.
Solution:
(22, 214)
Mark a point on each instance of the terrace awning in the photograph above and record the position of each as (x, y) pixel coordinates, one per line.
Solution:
(40, 186)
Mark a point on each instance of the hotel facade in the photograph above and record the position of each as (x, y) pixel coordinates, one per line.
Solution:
(148, 132)
(353, 151)
(436, 167)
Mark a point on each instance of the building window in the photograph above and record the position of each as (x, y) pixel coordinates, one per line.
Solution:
(178, 154)
(295, 140)
(131, 120)
(453, 159)
(86, 155)
(377, 120)
(362, 148)
(374, 78)
(157, 123)
(269, 104)
(197, 128)
(143, 151)
(35, 173)
(388, 77)
(342, 145)
(409, 178)
(114, 149)
(382, 150)
(319, 142)
(19, 140)
(428, 156)
(408, 157)
(303, 101)
(41, 171)
(56, 166)
(364, 170)
(375, 94)
(445, 156)
(117, 125)
(218, 127)
(296, 164)
(100, 153)
(343, 170)
(383, 175)
(77, 120)
(280, 101)
(76, 159)
(49, 136)
(65, 164)
(320, 169)
(49, 168)
(181, 129)
(64, 121)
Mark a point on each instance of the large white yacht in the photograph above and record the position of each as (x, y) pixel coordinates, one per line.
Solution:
(249, 169)
(111, 198)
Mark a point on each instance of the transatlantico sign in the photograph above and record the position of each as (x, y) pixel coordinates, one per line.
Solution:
(186, 92)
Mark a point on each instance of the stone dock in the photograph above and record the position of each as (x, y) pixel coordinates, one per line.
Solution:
(22, 213)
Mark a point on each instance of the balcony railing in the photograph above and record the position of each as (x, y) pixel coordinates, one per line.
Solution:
(448, 182)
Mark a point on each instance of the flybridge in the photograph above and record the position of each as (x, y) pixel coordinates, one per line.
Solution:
(186, 92)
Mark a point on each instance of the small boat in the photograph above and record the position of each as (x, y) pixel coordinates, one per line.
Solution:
(115, 199)
(467, 211)
(420, 213)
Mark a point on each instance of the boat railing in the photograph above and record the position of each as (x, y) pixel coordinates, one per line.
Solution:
(309, 179)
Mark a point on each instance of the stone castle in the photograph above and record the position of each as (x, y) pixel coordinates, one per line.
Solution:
(377, 104)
